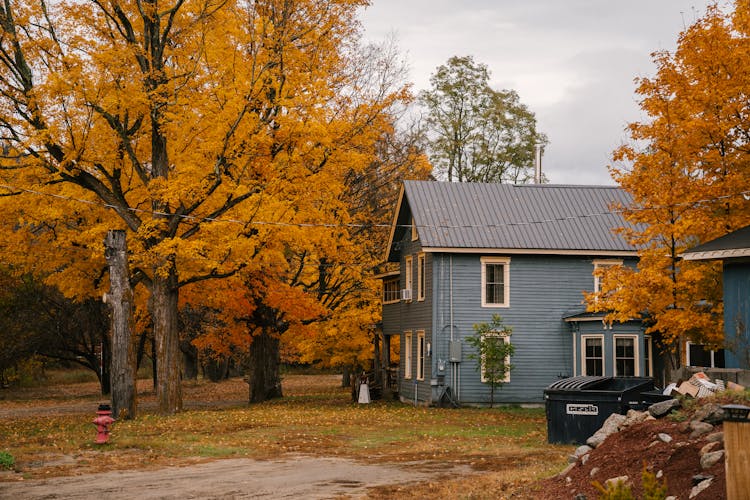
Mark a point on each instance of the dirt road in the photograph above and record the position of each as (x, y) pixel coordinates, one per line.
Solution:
(300, 477)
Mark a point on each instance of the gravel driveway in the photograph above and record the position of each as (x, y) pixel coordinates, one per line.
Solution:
(300, 477)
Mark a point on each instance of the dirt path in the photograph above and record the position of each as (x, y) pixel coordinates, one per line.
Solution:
(300, 477)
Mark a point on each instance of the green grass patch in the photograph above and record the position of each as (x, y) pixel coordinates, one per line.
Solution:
(6, 461)
(319, 420)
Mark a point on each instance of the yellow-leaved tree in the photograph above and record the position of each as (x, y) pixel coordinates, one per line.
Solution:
(688, 170)
(217, 133)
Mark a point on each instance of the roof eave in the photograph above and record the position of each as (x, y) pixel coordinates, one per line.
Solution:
(734, 253)
(533, 251)
(394, 225)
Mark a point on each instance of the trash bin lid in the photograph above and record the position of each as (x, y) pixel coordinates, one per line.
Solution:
(578, 382)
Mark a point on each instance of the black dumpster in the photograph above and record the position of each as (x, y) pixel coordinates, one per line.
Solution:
(577, 407)
(650, 397)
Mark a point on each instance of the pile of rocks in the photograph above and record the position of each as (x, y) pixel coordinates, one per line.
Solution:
(703, 428)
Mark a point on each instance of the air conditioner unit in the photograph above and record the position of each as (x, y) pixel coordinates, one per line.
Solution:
(406, 294)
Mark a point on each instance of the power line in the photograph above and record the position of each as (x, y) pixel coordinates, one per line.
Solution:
(744, 194)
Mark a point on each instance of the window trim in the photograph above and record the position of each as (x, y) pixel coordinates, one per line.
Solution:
(584, 358)
(712, 354)
(420, 354)
(394, 298)
(636, 357)
(421, 278)
(407, 354)
(601, 264)
(505, 262)
(408, 273)
(648, 354)
(506, 339)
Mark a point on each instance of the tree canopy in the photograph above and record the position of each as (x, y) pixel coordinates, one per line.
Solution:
(218, 133)
(687, 167)
(493, 351)
(476, 133)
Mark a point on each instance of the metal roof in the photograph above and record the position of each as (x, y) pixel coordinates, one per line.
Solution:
(733, 245)
(540, 217)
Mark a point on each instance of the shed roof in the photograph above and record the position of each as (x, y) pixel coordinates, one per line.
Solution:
(545, 218)
(733, 245)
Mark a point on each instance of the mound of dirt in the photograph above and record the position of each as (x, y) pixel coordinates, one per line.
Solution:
(671, 450)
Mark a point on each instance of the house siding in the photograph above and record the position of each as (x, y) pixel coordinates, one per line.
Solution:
(455, 222)
(542, 289)
(608, 334)
(737, 314)
(415, 316)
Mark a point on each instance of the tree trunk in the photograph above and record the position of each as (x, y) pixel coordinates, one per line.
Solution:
(105, 380)
(164, 296)
(189, 360)
(263, 375)
(120, 299)
(346, 377)
(153, 362)
(377, 362)
(216, 368)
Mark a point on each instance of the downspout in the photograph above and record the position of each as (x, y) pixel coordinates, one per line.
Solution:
(454, 366)
(450, 278)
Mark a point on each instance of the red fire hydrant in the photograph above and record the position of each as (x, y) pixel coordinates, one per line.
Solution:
(102, 422)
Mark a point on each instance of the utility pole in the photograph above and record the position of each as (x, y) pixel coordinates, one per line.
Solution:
(120, 301)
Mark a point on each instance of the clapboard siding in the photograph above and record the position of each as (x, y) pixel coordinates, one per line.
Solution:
(737, 313)
(596, 328)
(415, 316)
(456, 222)
(542, 289)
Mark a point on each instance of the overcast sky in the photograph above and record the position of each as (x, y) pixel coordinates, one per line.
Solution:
(572, 62)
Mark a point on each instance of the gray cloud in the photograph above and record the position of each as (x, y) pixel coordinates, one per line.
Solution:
(572, 62)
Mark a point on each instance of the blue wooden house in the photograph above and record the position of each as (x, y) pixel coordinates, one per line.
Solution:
(733, 250)
(467, 251)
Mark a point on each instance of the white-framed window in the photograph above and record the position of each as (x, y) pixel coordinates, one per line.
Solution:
(499, 337)
(700, 355)
(391, 290)
(648, 356)
(592, 354)
(420, 276)
(420, 354)
(602, 264)
(495, 281)
(414, 232)
(407, 354)
(408, 274)
(626, 355)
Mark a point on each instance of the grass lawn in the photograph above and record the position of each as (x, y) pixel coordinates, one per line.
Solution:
(48, 431)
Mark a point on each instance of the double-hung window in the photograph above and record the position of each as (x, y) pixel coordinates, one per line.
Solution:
(701, 355)
(626, 355)
(502, 339)
(407, 354)
(391, 290)
(601, 266)
(420, 355)
(592, 348)
(408, 273)
(420, 276)
(495, 281)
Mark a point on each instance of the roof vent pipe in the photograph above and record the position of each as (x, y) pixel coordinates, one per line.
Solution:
(538, 164)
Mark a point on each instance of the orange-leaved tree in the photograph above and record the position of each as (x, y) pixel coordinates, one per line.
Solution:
(215, 132)
(688, 170)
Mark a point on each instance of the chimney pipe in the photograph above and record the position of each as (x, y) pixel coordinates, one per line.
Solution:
(538, 164)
